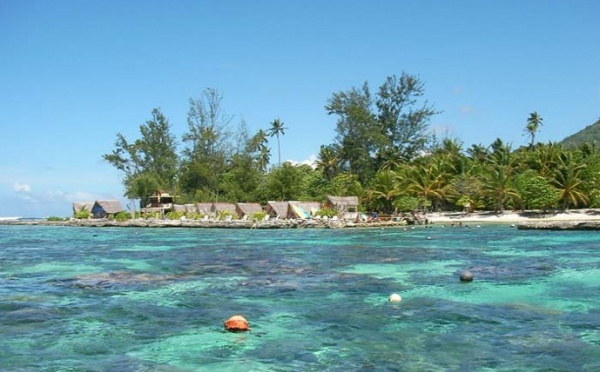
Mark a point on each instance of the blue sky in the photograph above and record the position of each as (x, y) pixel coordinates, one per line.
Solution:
(73, 74)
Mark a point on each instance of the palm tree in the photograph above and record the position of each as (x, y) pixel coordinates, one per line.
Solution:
(568, 178)
(384, 189)
(258, 144)
(428, 182)
(258, 141)
(327, 161)
(497, 184)
(277, 129)
(478, 153)
(534, 122)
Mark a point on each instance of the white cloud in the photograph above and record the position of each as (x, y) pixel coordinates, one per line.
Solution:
(21, 187)
(312, 160)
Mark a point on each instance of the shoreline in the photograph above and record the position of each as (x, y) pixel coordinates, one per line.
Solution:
(515, 217)
(570, 220)
(233, 224)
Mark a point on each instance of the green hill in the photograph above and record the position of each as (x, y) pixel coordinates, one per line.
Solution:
(590, 134)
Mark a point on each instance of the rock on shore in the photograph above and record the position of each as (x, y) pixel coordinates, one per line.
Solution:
(560, 225)
(233, 224)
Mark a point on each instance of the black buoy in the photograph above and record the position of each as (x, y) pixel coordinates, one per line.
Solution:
(466, 276)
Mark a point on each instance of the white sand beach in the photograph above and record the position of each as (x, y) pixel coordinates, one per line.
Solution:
(513, 217)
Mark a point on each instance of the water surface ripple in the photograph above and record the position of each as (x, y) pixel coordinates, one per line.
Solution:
(126, 299)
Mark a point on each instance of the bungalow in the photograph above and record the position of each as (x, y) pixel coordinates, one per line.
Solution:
(204, 208)
(345, 206)
(106, 208)
(82, 206)
(178, 208)
(342, 203)
(278, 209)
(219, 208)
(247, 209)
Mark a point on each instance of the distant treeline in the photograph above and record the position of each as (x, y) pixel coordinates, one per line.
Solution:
(383, 152)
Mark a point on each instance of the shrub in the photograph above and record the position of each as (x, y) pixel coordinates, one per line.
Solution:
(174, 215)
(326, 213)
(122, 216)
(259, 216)
(221, 215)
(54, 218)
(83, 214)
(193, 216)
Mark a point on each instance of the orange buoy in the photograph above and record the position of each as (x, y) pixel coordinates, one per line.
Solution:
(237, 323)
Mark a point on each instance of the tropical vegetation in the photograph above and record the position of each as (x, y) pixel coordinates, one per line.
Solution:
(384, 152)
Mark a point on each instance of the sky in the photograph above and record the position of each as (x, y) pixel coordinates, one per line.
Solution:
(73, 74)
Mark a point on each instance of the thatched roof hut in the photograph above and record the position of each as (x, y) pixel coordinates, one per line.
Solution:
(248, 209)
(310, 206)
(106, 208)
(82, 206)
(179, 208)
(204, 208)
(342, 203)
(190, 208)
(222, 207)
(278, 209)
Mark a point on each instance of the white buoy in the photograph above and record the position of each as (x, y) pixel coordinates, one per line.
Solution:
(395, 297)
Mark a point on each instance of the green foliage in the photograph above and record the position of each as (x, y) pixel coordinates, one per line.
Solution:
(535, 191)
(194, 216)
(589, 135)
(55, 219)
(174, 215)
(382, 153)
(122, 216)
(83, 214)
(287, 182)
(153, 216)
(372, 131)
(259, 216)
(407, 203)
(150, 162)
(222, 215)
(326, 213)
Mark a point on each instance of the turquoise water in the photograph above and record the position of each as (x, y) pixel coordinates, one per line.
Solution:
(110, 299)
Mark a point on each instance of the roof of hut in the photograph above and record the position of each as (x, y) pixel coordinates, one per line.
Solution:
(343, 201)
(281, 209)
(109, 206)
(179, 208)
(248, 209)
(217, 207)
(190, 208)
(82, 206)
(204, 208)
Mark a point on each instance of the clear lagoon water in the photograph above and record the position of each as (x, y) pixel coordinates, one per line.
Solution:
(127, 299)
